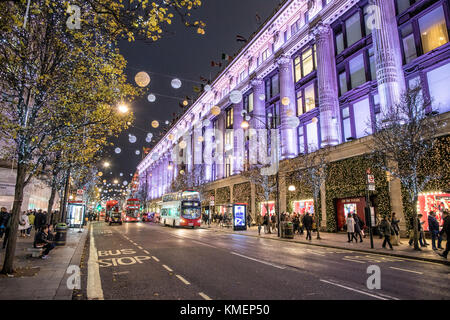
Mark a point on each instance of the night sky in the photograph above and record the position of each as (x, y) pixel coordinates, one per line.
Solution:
(186, 55)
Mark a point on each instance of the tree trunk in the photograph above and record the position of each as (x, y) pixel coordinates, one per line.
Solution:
(64, 201)
(316, 201)
(8, 264)
(51, 201)
(415, 225)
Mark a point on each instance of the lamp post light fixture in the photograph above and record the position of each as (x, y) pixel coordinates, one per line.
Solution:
(291, 188)
(123, 108)
(106, 164)
(245, 124)
(170, 166)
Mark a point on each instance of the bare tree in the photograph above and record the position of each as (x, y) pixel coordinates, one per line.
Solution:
(404, 138)
(312, 171)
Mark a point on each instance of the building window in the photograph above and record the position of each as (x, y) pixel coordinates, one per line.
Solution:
(265, 54)
(312, 136)
(357, 71)
(363, 122)
(273, 116)
(301, 139)
(346, 124)
(339, 43)
(353, 29)
(306, 99)
(295, 27)
(272, 87)
(343, 82)
(229, 118)
(403, 5)
(433, 30)
(409, 44)
(305, 63)
(424, 33)
(248, 103)
(438, 80)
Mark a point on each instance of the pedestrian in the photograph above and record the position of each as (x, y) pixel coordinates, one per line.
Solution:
(4, 218)
(308, 222)
(422, 238)
(24, 224)
(274, 222)
(249, 221)
(296, 223)
(39, 220)
(446, 230)
(351, 228)
(433, 226)
(419, 227)
(357, 227)
(31, 218)
(396, 228)
(300, 223)
(259, 222)
(386, 228)
(41, 241)
(266, 223)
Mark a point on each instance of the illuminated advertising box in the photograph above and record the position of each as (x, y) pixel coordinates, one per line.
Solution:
(240, 216)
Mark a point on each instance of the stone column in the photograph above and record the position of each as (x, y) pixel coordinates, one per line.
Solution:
(323, 206)
(388, 57)
(282, 192)
(238, 137)
(258, 122)
(219, 156)
(327, 84)
(253, 199)
(287, 108)
(197, 150)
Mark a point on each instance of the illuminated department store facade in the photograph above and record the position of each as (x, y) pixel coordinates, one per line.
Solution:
(333, 66)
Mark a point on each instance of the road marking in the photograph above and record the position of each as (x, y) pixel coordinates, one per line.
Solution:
(314, 252)
(168, 269)
(406, 270)
(94, 283)
(140, 248)
(183, 279)
(146, 252)
(355, 290)
(155, 258)
(353, 260)
(204, 296)
(122, 272)
(260, 261)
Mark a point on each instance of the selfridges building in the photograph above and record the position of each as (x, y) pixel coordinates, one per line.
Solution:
(318, 73)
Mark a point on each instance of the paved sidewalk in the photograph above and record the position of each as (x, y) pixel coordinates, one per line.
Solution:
(42, 279)
(339, 240)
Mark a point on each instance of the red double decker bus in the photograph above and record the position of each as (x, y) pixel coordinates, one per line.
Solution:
(132, 210)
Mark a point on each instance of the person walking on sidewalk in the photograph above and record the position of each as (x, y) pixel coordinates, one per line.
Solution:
(308, 222)
(274, 222)
(40, 220)
(296, 222)
(386, 228)
(446, 230)
(396, 228)
(259, 222)
(249, 221)
(357, 228)
(433, 226)
(24, 224)
(266, 223)
(41, 241)
(4, 218)
(31, 222)
(351, 228)
(423, 242)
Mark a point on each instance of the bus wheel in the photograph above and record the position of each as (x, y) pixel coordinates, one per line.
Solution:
(193, 227)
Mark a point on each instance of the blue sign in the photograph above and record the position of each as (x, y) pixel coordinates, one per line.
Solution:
(240, 217)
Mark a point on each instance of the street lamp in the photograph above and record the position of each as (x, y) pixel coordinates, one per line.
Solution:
(106, 164)
(123, 108)
(291, 188)
(245, 125)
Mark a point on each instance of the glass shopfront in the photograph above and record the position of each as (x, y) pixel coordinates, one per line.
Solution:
(347, 206)
(433, 201)
(303, 206)
(263, 206)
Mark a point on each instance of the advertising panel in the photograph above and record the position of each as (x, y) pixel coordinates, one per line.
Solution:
(240, 216)
(437, 202)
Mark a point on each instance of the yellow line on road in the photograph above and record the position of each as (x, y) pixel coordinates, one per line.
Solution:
(155, 258)
(406, 270)
(168, 269)
(204, 296)
(183, 279)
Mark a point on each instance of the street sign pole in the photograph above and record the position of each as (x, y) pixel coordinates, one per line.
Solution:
(370, 184)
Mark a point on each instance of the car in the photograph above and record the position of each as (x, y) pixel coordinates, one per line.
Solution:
(148, 217)
(116, 217)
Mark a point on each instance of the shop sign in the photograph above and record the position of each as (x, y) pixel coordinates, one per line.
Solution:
(370, 182)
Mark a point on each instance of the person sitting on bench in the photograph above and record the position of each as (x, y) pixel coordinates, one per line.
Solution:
(41, 241)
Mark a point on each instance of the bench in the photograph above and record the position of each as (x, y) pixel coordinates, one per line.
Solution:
(35, 252)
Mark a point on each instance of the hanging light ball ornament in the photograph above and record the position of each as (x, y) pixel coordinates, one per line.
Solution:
(207, 88)
(215, 110)
(293, 122)
(151, 97)
(285, 101)
(262, 97)
(150, 135)
(248, 118)
(181, 171)
(182, 144)
(170, 137)
(121, 174)
(137, 152)
(132, 138)
(131, 174)
(142, 79)
(117, 150)
(200, 139)
(125, 182)
(176, 83)
(100, 174)
(185, 103)
(148, 139)
(155, 124)
(235, 96)
(167, 122)
(104, 181)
